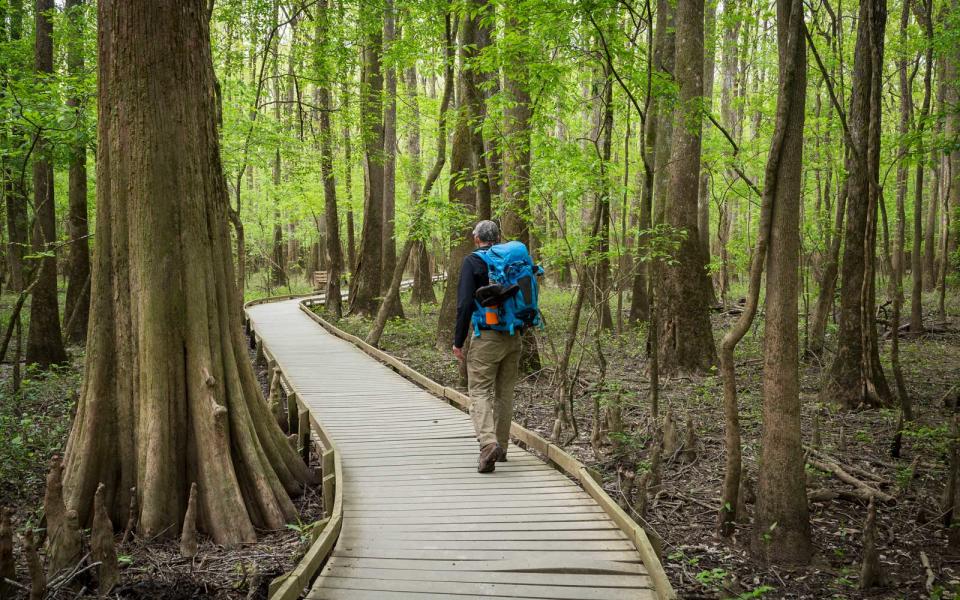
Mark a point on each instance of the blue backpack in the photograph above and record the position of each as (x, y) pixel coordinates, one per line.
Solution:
(514, 304)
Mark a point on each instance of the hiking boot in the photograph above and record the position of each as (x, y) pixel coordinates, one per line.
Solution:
(489, 455)
(503, 455)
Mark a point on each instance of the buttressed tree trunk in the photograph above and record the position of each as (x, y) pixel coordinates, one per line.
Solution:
(856, 376)
(365, 287)
(77, 306)
(169, 396)
(782, 523)
(45, 340)
(683, 317)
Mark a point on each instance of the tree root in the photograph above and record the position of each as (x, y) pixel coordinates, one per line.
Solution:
(38, 579)
(102, 545)
(8, 568)
(188, 536)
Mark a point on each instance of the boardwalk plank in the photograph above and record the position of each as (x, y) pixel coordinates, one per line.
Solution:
(418, 520)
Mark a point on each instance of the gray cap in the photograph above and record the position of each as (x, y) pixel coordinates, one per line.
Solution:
(487, 231)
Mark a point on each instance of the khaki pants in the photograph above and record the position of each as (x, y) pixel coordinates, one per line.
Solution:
(492, 364)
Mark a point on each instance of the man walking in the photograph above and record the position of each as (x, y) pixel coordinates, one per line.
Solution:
(493, 357)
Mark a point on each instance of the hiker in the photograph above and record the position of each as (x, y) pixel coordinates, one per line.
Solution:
(496, 302)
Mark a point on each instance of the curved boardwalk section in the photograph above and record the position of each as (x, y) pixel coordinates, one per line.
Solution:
(419, 521)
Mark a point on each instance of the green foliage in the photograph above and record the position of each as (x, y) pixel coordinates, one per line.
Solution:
(35, 422)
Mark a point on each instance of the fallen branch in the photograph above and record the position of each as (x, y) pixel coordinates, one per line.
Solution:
(842, 475)
(930, 576)
(851, 468)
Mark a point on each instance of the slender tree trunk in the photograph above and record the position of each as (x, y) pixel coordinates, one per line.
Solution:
(709, 65)
(422, 291)
(389, 153)
(916, 258)
(685, 335)
(475, 37)
(461, 242)
(516, 153)
(782, 522)
(44, 340)
(278, 256)
(598, 273)
(951, 77)
(855, 377)
(730, 67)
(77, 306)
(640, 297)
(419, 204)
(390, 166)
(334, 252)
(828, 281)
(348, 175)
(365, 287)
(895, 287)
(930, 230)
(169, 395)
(15, 197)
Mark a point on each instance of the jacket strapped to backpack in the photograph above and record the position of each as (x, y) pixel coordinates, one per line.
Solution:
(510, 301)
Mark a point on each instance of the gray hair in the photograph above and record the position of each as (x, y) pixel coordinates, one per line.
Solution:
(487, 231)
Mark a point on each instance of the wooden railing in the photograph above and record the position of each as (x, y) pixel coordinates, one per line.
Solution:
(289, 586)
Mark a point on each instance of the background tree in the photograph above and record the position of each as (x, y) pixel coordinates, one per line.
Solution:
(683, 319)
(77, 307)
(45, 340)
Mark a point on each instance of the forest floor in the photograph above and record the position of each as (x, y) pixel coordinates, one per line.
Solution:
(684, 510)
(35, 424)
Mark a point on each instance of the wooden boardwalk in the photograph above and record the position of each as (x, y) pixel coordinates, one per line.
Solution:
(418, 520)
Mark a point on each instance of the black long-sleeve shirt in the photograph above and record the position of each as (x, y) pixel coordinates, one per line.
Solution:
(473, 276)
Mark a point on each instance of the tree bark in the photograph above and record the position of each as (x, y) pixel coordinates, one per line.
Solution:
(951, 77)
(916, 258)
(77, 306)
(598, 272)
(930, 229)
(45, 340)
(333, 250)
(782, 522)
(422, 291)
(730, 66)
(348, 179)
(365, 287)
(389, 259)
(169, 395)
(640, 298)
(683, 317)
(419, 204)
(15, 197)
(278, 256)
(828, 280)
(475, 36)
(856, 378)
(709, 65)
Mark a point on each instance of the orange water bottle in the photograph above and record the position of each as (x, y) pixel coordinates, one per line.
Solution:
(490, 316)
